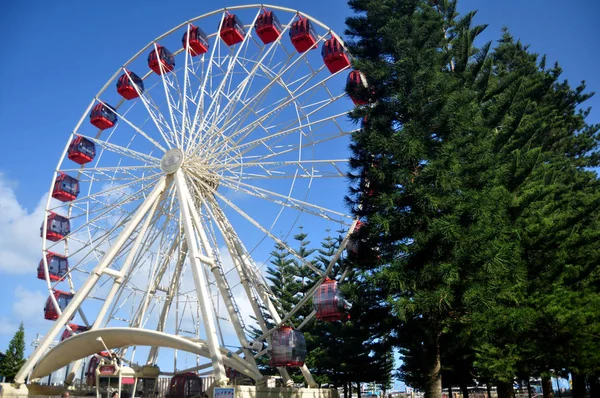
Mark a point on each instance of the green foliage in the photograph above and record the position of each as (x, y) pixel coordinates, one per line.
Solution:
(481, 218)
(14, 359)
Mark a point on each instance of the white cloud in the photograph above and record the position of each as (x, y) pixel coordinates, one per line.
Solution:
(28, 305)
(20, 248)
(7, 326)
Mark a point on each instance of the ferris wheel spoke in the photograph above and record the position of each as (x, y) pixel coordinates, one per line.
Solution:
(122, 117)
(156, 116)
(251, 74)
(274, 81)
(186, 79)
(226, 79)
(282, 133)
(268, 233)
(272, 109)
(120, 150)
(202, 92)
(245, 132)
(92, 230)
(288, 201)
(119, 173)
(284, 149)
(170, 102)
(239, 171)
(108, 192)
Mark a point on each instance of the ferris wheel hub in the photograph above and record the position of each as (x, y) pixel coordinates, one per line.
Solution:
(171, 161)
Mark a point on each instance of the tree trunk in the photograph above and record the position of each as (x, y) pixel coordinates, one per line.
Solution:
(529, 387)
(488, 387)
(578, 385)
(594, 386)
(345, 390)
(547, 387)
(358, 393)
(505, 390)
(450, 392)
(350, 388)
(464, 390)
(433, 383)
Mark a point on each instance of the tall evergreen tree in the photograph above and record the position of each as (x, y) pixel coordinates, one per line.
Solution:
(15, 355)
(282, 274)
(481, 205)
(543, 147)
(417, 151)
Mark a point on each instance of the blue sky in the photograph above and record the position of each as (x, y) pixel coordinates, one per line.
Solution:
(58, 54)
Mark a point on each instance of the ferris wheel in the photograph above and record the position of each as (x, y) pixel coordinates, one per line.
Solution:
(209, 146)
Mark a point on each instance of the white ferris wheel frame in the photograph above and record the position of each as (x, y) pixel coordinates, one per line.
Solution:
(192, 239)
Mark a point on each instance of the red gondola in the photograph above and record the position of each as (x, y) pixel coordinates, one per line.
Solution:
(232, 30)
(57, 227)
(103, 116)
(75, 329)
(303, 35)
(63, 299)
(288, 347)
(81, 150)
(352, 245)
(185, 385)
(90, 373)
(329, 303)
(127, 84)
(357, 87)
(268, 27)
(58, 266)
(198, 41)
(167, 60)
(66, 188)
(334, 55)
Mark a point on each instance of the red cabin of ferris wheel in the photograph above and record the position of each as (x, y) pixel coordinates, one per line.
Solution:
(58, 266)
(335, 55)
(329, 303)
(62, 298)
(198, 41)
(352, 245)
(75, 329)
(66, 188)
(81, 150)
(57, 227)
(103, 116)
(232, 30)
(129, 84)
(288, 347)
(160, 60)
(268, 28)
(303, 35)
(357, 87)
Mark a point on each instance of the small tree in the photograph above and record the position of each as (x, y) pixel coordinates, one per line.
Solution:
(15, 355)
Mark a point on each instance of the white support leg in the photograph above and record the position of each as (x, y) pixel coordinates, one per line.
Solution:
(82, 293)
(186, 206)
